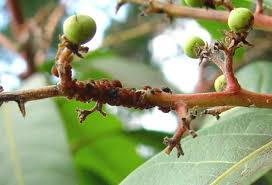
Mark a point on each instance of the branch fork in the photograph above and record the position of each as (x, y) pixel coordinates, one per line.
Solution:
(82, 114)
(185, 119)
(112, 92)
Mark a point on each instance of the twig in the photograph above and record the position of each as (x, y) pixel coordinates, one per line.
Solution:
(261, 21)
(227, 4)
(23, 96)
(49, 29)
(259, 7)
(82, 113)
(19, 28)
(16, 17)
(232, 83)
(216, 111)
(128, 97)
(174, 142)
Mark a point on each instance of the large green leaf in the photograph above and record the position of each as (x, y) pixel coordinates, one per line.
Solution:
(265, 180)
(132, 73)
(237, 149)
(34, 149)
(259, 82)
(148, 137)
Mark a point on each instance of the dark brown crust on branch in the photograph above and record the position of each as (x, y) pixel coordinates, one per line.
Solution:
(108, 91)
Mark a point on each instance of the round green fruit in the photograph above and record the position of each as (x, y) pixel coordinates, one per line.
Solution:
(191, 46)
(240, 20)
(220, 83)
(194, 3)
(79, 28)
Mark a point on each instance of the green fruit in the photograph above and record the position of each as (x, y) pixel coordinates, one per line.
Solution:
(191, 46)
(240, 20)
(79, 29)
(220, 83)
(195, 3)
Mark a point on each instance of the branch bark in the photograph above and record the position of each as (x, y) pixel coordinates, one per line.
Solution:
(262, 22)
(241, 98)
(259, 7)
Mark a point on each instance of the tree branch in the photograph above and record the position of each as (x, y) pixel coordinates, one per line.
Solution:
(16, 16)
(262, 22)
(31, 94)
(259, 7)
(150, 98)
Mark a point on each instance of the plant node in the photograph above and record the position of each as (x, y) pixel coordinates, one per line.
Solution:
(83, 114)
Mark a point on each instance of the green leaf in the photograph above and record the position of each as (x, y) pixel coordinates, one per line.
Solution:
(132, 73)
(243, 3)
(34, 149)
(87, 176)
(265, 180)
(256, 77)
(237, 150)
(214, 28)
(148, 137)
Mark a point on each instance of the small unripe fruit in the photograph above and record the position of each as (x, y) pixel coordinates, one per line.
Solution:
(194, 3)
(191, 46)
(240, 20)
(220, 83)
(79, 28)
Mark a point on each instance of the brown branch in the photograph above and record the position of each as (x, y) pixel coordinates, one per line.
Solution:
(241, 98)
(30, 94)
(128, 97)
(259, 7)
(227, 4)
(181, 111)
(49, 30)
(17, 19)
(262, 22)
(23, 96)
(20, 33)
(232, 83)
(19, 28)
(216, 111)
